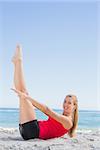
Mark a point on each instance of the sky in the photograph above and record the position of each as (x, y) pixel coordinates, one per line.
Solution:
(60, 51)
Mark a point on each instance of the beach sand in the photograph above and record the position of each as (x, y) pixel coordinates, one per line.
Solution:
(10, 139)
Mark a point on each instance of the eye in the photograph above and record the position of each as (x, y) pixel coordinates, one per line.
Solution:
(65, 101)
(69, 103)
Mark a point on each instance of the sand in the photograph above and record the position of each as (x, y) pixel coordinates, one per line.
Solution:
(10, 139)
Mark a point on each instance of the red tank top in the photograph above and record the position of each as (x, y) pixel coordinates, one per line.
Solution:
(50, 129)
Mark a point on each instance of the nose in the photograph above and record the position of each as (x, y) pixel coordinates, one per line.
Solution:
(65, 107)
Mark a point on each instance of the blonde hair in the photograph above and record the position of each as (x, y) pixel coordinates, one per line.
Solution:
(72, 131)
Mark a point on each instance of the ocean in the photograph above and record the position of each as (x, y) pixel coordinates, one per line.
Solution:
(9, 118)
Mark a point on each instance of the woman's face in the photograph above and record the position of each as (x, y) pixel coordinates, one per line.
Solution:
(68, 106)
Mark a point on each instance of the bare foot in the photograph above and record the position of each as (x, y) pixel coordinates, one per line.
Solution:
(18, 54)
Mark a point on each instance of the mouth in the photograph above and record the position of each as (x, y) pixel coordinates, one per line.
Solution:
(65, 110)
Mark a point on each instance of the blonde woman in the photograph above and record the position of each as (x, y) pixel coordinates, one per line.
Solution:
(56, 125)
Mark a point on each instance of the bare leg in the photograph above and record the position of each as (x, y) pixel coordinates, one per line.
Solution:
(18, 72)
(27, 112)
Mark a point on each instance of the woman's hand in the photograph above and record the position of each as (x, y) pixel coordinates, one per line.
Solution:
(20, 94)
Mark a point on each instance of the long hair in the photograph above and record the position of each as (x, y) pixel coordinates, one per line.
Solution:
(72, 131)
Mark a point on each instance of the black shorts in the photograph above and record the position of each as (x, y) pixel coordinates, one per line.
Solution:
(29, 130)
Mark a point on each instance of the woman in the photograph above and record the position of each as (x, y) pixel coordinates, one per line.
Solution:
(56, 125)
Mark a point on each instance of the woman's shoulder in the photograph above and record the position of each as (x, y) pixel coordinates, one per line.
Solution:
(67, 122)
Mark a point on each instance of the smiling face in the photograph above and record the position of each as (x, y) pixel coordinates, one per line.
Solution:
(68, 105)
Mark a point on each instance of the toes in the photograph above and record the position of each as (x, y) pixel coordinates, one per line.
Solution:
(18, 54)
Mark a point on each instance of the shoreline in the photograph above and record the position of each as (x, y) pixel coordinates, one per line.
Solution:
(86, 130)
(10, 139)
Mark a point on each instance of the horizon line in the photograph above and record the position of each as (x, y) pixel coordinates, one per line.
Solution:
(52, 108)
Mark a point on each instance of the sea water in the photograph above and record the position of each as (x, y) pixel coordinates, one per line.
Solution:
(9, 118)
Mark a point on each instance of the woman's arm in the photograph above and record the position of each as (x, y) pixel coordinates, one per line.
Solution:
(34, 102)
(64, 120)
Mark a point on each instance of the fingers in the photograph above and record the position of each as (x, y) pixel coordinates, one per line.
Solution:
(16, 91)
(13, 89)
(20, 94)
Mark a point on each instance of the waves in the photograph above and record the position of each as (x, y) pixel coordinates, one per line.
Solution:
(13, 130)
(8, 130)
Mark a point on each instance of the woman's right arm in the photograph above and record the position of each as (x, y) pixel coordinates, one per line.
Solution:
(38, 105)
(64, 120)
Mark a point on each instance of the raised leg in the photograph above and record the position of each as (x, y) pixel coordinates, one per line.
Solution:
(19, 81)
(27, 111)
